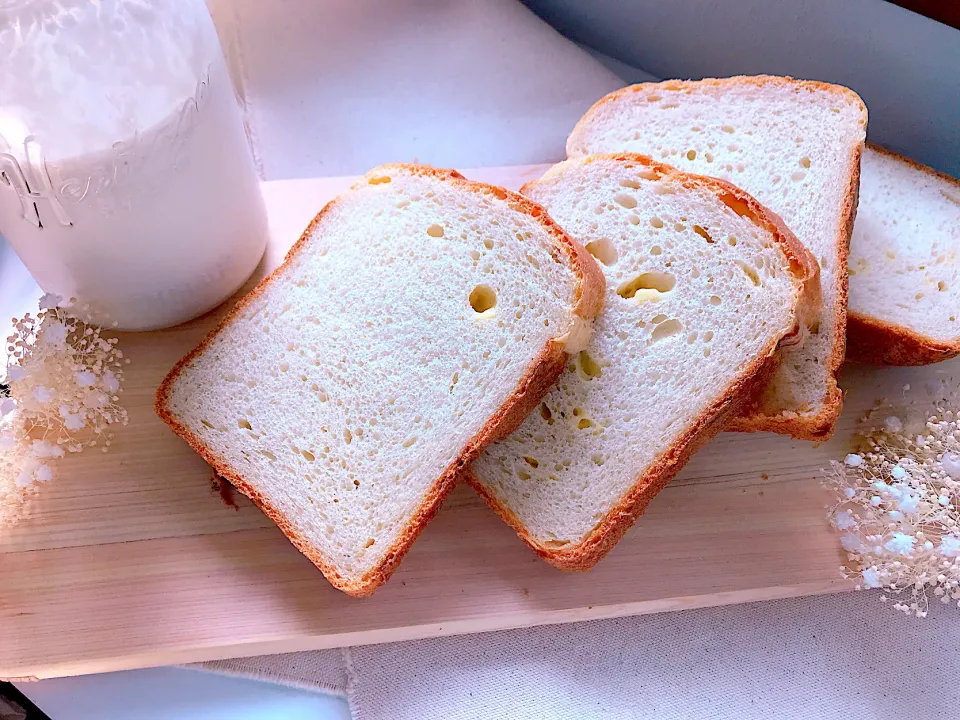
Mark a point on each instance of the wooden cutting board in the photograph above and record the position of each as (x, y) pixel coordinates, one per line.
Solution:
(128, 559)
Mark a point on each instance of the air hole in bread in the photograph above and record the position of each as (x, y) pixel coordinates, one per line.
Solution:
(630, 183)
(532, 462)
(483, 300)
(708, 336)
(691, 154)
(369, 543)
(347, 436)
(750, 272)
(656, 222)
(798, 175)
(585, 423)
(805, 161)
(268, 455)
(587, 366)
(546, 414)
(653, 282)
(603, 250)
(207, 423)
(625, 200)
(703, 233)
(668, 328)
(708, 157)
(918, 296)
(727, 128)
(597, 459)
(409, 442)
(244, 423)
(942, 286)
(381, 180)
(308, 456)
(656, 250)
(732, 241)
(435, 231)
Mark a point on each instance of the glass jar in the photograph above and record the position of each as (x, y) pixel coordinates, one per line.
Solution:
(126, 180)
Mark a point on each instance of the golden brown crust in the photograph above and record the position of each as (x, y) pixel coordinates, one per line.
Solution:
(688, 85)
(541, 374)
(598, 542)
(879, 342)
(591, 549)
(819, 426)
(876, 342)
(926, 169)
(804, 425)
(802, 262)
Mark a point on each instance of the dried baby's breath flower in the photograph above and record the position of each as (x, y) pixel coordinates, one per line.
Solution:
(62, 392)
(898, 509)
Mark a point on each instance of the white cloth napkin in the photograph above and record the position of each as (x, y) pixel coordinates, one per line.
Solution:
(334, 87)
(830, 658)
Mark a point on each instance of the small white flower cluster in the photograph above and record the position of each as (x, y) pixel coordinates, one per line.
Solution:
(61, 393)
(898, 508)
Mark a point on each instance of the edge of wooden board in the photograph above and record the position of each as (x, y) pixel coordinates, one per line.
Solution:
(305, 643)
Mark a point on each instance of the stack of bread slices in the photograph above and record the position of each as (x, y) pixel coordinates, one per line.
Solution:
(687, 270)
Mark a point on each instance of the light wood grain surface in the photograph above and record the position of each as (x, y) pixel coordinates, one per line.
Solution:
(129, 559)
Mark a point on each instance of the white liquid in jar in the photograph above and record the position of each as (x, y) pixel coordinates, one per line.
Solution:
(148, 230)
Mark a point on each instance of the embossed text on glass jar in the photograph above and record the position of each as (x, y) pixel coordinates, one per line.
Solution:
(125, 177)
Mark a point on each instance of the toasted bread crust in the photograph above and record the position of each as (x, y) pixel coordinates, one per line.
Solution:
(819, 426)
(879, 342)
(874, 341)
(541, 374)
(601, 540)
(805, 425)
(598, 542)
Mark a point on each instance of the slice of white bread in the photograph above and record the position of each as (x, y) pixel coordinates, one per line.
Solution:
(420, 317)
(904, 271)
(795, 146)
(704, 287)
